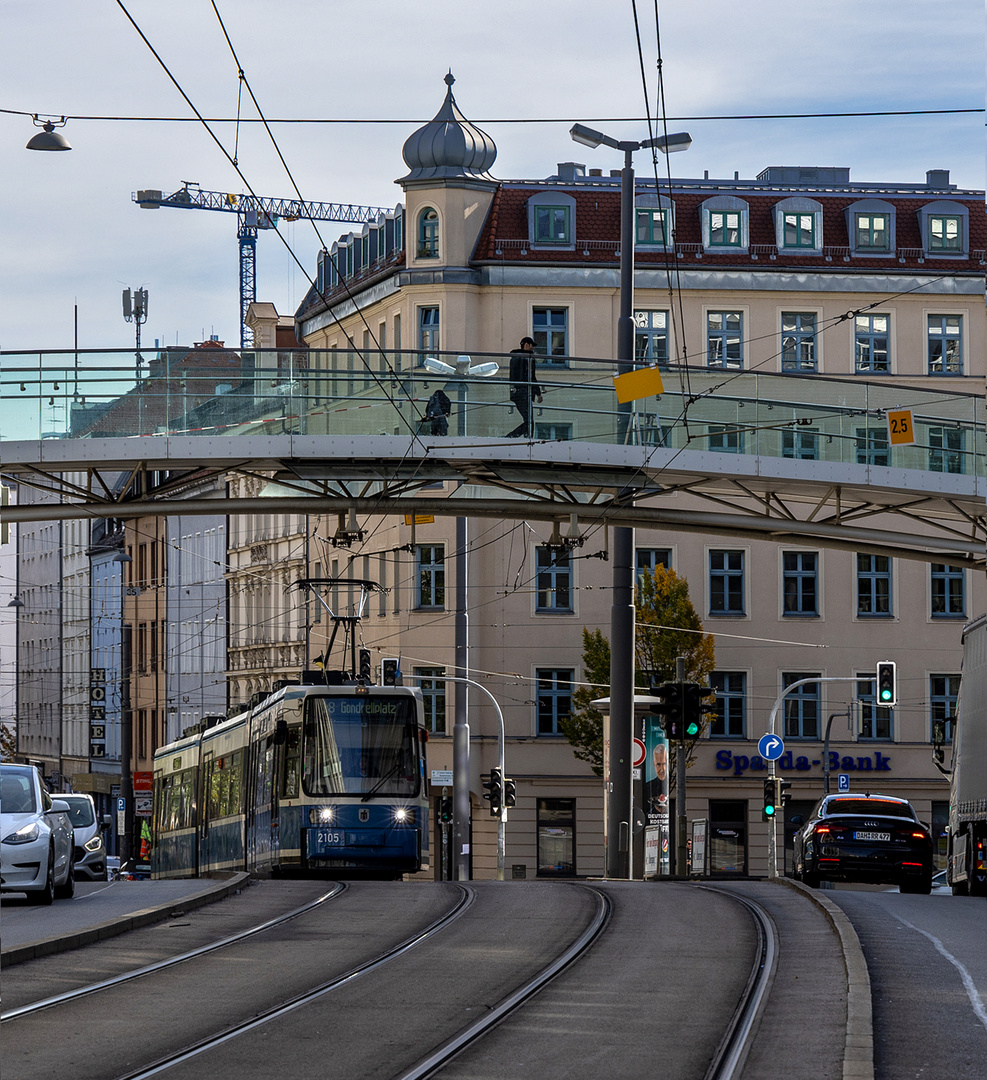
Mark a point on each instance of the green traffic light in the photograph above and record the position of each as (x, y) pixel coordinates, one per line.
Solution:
(769, 810)
(885, 695)
(692, 728)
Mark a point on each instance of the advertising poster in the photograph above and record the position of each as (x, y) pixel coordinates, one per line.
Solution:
(655, 793)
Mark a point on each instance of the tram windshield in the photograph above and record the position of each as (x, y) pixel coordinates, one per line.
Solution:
(360, 746)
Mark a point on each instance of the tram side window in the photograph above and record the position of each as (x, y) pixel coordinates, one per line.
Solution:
(224, 785)
(176, 801)
(292, 763)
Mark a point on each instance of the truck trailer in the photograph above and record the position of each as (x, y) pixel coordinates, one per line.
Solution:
(967, 840)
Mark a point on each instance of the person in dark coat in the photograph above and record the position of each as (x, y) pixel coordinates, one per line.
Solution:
(437, 410)
(524, 385)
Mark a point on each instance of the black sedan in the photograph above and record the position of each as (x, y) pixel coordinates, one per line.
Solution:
(866, 838)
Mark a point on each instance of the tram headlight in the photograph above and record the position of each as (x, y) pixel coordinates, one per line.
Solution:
(322, 815)
(404, 815)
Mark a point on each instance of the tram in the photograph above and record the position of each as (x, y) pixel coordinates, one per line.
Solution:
(312, 779)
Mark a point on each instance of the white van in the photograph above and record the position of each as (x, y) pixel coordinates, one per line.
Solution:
(90, 847)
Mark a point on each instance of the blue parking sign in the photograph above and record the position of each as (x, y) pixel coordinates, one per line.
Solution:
(842, 781)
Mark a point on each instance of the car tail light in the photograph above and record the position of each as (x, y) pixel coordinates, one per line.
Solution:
(822, 829)
(919, 835)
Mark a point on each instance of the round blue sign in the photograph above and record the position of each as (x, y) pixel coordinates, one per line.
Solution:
(771, 747)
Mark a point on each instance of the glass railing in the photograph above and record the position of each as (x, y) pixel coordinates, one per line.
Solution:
(223, 392)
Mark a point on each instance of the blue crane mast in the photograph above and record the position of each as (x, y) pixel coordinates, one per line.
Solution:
(254, 213)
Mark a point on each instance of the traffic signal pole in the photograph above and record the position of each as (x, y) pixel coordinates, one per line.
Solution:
(681, 844)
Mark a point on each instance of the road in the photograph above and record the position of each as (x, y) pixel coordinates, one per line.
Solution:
(928, 969)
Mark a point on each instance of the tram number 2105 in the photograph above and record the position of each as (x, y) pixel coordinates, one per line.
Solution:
(329, 838)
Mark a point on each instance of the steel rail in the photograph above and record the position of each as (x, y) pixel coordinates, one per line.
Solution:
(203, 1045)
(731, 1054)
(160, 965)
(442, 1055)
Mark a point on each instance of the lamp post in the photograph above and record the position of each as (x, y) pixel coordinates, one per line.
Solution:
(618, 780)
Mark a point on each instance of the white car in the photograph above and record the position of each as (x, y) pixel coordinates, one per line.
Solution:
(90, 847)
(36, 838)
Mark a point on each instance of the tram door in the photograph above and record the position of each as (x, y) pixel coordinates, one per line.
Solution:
(262, 843)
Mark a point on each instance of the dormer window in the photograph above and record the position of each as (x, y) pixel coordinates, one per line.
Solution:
(798, 225)
(945, 229)
(725, 224)
(872, 232)
(870, 226)
(653, 221)
(552, 220)
(428, 234)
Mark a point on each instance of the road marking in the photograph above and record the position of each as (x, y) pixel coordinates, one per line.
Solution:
(972, 993)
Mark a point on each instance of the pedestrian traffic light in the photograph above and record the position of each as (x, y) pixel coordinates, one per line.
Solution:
(445, 809)
(510, 793)
(366, 666)
(770, 806)
(693, 708)
(495, 791)
(887, 693)
(669, 709)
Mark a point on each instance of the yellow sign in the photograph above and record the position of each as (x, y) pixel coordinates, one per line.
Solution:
(419, 519)
(901, 430)
(634, 385)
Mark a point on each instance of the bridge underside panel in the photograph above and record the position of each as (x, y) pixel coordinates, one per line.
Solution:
(938, 517)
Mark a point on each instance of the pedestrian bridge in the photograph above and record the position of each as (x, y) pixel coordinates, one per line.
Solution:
(786, 457)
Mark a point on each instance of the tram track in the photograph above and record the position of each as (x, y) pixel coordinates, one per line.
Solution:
(180, 958)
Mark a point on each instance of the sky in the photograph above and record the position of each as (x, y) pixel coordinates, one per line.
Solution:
(72, 238)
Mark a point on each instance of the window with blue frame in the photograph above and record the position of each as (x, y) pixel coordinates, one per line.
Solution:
(872, 337)
(428, 329)
(551, 225)
(725, 438)
(943, 693)
(798, 341)
(428, 234)
(947, 591)
(431, 682)
(726, 582)
(873, 447)
(801, 706)
(800, 584)
(554, 698)
(550, 329)
(945, 345)
(873, 586)
(876, 721)
(872, 232)
(947, 449)
(651, 337)
(800, 443)
(724, 339)
(553, 580)
(430, 569)
(729, 721)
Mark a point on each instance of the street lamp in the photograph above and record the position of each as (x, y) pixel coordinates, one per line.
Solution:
(619, 805)
(48, 138)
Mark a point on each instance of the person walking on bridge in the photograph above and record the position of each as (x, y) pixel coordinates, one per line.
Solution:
(524, 385)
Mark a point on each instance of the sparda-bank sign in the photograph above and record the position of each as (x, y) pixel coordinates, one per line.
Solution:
(739, 764)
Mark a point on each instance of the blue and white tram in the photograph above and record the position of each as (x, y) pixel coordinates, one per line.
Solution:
(312, 778)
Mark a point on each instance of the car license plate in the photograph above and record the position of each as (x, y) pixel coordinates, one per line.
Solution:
(872, 836)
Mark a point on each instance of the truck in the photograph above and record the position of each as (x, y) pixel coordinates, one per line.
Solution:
(966, 868)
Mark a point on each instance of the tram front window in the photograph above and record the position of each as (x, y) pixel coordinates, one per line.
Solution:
(360, 746)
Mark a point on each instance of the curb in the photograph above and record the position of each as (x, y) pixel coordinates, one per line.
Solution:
(858, 1054)
(145, 917)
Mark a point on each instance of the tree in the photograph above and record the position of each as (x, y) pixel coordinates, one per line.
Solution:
(666, 627)
(8, 743)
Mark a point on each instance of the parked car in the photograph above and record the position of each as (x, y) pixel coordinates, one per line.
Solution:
(90, 846)
(36, 837)
(864, 838)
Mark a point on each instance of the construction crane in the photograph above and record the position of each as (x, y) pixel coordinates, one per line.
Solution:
(254, 213)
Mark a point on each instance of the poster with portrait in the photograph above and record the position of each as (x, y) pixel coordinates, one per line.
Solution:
(655, 772)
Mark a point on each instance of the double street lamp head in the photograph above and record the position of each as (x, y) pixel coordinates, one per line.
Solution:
(667, 144)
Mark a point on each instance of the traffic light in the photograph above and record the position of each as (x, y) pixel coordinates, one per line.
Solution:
(389, 671)
(366, 666)
(693, 708)
(770, 806)
(510, 792)
(444, 809)
(495, 791)
(783, 796)
(670, 709)
(887, 693)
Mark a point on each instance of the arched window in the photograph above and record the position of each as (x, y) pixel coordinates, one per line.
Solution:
(428, 234)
